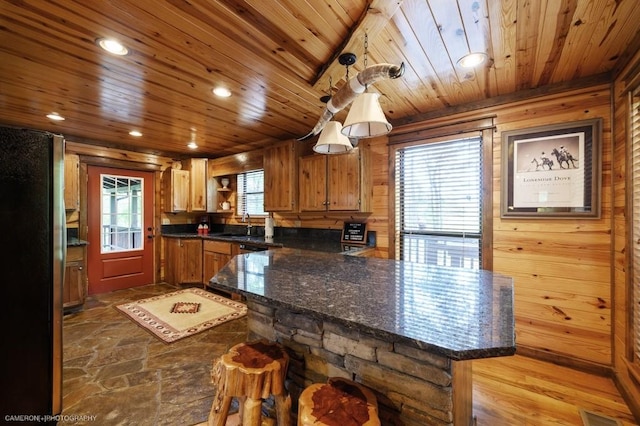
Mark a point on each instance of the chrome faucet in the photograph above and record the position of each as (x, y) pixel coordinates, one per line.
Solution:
(247, 218)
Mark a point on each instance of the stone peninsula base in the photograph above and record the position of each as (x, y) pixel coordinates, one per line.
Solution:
(413, 386)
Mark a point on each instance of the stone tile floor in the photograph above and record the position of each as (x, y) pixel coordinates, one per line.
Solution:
(121, 374)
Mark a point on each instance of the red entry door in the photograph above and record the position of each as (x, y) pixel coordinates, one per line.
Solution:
(120, 234)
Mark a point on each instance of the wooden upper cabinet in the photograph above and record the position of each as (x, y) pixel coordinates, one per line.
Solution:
(71, 180)
(197, 168)
(176, 190)
(280, 186)
(335, 182)
(312, 179)
(343, 181)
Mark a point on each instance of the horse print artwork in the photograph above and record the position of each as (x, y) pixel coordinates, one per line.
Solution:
(544, 161)
(564, 156)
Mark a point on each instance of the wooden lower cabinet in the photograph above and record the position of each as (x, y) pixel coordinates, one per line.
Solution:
(74, 289)
(215, 255)
(183, 261)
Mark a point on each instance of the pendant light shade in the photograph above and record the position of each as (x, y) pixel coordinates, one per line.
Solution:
(366, 118)
(331, 141)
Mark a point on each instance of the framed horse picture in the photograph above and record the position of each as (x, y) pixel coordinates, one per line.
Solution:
(552, 171)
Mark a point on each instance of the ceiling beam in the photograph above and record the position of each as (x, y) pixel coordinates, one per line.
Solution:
(373, 19)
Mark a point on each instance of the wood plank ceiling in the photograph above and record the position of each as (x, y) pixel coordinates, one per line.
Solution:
(278, 58)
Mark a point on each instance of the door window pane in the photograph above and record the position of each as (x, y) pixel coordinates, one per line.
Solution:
(121, 213)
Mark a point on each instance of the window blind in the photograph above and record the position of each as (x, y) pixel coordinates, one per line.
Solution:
(438, 203)
(251, 193)
(635, 215)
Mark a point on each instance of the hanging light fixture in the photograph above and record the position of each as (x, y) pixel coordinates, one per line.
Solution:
(331, 140)
(366, 118)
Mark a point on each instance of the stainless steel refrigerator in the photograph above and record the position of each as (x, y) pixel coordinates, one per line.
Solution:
(32, 217)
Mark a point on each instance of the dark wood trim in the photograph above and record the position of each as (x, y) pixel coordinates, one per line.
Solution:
(119, 164)
(626, 58)
(566, 361)
(604, 78)
(424, 131)
(487, 200)
(634, 406)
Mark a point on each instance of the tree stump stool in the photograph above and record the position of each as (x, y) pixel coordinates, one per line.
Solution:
(339, 402)
(250, 372)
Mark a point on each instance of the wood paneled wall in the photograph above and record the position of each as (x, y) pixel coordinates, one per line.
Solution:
(561, 267)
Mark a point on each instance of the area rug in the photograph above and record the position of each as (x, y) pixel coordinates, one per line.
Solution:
(183, 313)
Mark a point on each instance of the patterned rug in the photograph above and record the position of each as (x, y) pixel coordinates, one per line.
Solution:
(183, 313)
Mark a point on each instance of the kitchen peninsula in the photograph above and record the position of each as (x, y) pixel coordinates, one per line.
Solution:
(408, 331)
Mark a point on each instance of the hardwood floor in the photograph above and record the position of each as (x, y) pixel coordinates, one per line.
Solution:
(123, 375)
(523, 391)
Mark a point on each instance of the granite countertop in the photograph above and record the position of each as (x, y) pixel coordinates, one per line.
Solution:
(317, 244)
(454, 312)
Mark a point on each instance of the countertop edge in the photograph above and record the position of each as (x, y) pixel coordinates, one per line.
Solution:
(453, 354)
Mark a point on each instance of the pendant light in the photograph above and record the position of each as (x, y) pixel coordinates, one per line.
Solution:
(331, 140)
(366, 118)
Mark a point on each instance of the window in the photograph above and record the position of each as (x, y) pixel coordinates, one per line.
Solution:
(251, 193)
(121, 217)
(438, 203)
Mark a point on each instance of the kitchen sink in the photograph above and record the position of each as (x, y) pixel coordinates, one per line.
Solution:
(239, 237)
(247, 238)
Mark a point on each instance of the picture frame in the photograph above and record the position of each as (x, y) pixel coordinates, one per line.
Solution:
(552, 171)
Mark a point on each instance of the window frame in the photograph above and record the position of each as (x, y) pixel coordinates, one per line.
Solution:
(633, 337)
(240, 212)
(448, 133)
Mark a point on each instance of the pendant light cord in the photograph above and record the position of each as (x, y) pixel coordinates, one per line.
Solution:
(366, 50)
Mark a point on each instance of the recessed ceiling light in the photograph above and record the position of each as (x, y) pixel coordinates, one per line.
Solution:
(192, 145)
(473, 59)
(223, 92)
(55, 116)
(112, 46)
(135, 133)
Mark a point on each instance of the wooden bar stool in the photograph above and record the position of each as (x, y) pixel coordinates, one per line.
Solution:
(339, 402)
(250, 372)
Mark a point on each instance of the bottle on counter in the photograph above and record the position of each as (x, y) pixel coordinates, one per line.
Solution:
(205, 229)
(200, 229)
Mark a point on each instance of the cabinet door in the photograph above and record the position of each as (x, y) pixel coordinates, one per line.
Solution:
(74, 288)
(190, 270)
(344, 181)
(197, 168)
(216, 254)
(312, 180)
(71, 178)
(171, 260)
(176, 190)
(209, 265)
(73, 293)
(280, 177)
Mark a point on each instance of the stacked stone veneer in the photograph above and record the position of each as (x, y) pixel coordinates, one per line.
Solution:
(413, 386)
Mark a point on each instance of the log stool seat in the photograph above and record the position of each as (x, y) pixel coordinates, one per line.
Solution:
(250, 371)
(339, 402)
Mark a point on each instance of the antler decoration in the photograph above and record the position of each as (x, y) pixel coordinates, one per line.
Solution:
(349, 91)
